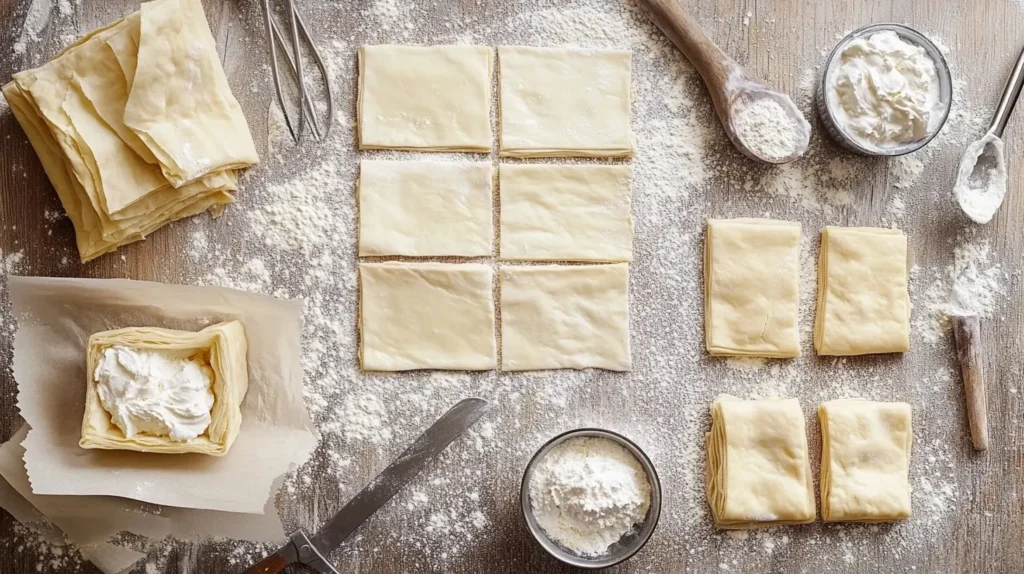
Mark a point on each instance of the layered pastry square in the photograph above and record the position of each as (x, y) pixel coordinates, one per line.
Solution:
(758, 471)
(865, 460)
(752, 287)
(165, 391)
(863, 298)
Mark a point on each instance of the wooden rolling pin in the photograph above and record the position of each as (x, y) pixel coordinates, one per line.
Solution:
(967, 332)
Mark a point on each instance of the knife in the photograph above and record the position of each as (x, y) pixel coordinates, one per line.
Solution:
(312, 551)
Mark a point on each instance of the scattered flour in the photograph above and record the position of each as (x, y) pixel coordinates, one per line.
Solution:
(587, 492)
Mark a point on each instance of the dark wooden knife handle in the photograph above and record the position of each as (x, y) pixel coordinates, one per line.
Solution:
(273, 564)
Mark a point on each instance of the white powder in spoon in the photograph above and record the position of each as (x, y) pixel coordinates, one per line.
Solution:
(981, 179)
(768, 130)
(587, 492)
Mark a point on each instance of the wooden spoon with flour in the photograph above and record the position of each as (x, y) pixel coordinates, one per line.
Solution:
(762, 122)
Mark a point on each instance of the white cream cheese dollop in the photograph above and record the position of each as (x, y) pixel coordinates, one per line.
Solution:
(156, 392)
(884, 91)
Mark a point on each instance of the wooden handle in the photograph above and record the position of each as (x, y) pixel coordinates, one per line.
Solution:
(273, 564)
(967, 332)
(710, 61)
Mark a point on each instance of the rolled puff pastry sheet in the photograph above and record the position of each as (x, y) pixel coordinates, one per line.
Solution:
(752, 287)
(566, 212)
(758, 471)
(863, 302)
(435, 98)
(565, 317)
(427, 316)
(564, 102)
(425, 208)
(865, 460)
(223, 345)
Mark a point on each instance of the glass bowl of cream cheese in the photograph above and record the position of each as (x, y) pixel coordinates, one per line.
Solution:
(885, 91)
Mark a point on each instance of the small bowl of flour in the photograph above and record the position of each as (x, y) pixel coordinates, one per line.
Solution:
(591, 498)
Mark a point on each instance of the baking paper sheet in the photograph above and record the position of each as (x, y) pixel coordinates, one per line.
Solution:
(55, 318)
(89, 521)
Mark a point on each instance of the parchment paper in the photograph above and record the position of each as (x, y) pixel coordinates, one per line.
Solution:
(89, 521)
(55, 318)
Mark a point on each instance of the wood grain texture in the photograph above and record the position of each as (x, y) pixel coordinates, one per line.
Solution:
(969, 352)
(982, 531)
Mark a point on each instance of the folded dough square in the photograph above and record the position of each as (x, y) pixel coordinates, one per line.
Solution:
(565, 317)
(752, 287)
(564, 102)
(863, 302)
(758, 471)
(425, 208)
(221, 347)
(426, 316)
(435, 98)
(865, 460)
(566, 212)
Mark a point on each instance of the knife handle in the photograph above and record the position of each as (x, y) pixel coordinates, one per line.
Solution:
(273, 564)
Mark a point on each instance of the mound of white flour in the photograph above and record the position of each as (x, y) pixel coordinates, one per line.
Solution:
(587, 492)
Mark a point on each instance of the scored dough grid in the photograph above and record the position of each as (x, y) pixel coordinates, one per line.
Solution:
(496, 162)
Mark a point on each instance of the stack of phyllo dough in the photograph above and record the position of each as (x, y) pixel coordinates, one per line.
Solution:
(135, 125)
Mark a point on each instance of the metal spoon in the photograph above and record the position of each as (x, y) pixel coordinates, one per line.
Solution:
(732, 90)
(981, 178)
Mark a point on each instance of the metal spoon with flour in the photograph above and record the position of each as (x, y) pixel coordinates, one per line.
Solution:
(981, 178)
(762, 122)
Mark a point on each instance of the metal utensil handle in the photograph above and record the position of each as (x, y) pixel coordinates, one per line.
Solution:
(1009, 98)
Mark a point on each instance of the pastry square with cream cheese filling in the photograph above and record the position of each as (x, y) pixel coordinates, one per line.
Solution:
(564, 102)
(752, 287)
(220, 350)
(863, 298)
(758, 470)
(565, 317)
(434, 98)
(427, 316)
(865, 460)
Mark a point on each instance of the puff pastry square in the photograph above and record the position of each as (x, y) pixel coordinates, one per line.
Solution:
(434, 98)
(752, 287)
(865, 461)
(863, 302)
(559, 317)
(427, 316)
(566, 212)
(425, 208)
(758, 471)
(563, 102)
(223, 345)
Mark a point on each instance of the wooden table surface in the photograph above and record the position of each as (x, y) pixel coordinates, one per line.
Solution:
(969, 509)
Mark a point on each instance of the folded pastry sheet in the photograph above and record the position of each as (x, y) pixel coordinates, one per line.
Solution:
(758, 471)
(135, 125)
(865, 460)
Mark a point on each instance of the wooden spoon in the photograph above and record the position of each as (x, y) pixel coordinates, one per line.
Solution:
(967, 332)
(730, 87)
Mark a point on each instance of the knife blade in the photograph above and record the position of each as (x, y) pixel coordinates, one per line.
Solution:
(313, 550)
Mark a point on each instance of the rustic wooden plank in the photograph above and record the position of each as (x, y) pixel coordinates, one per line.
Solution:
(984, 529)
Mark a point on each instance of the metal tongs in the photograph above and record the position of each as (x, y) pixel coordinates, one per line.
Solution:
(294, 59)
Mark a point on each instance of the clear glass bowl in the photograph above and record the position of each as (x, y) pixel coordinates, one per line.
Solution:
(945, 91)
(631, 542)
